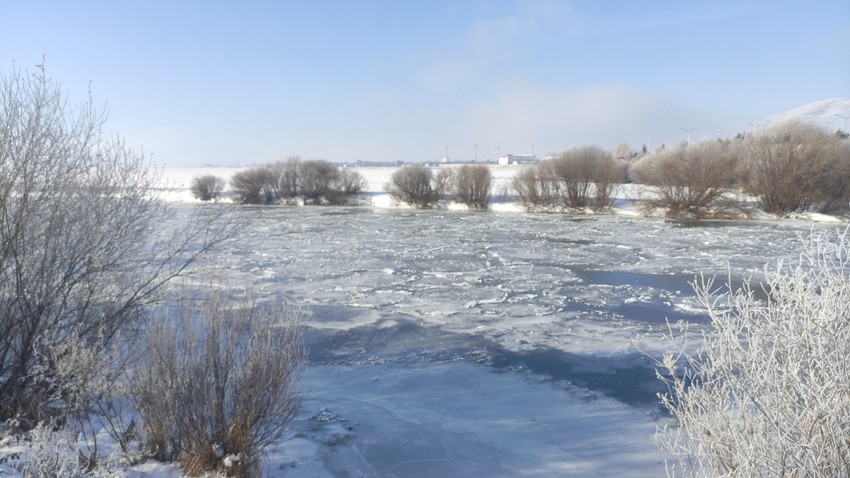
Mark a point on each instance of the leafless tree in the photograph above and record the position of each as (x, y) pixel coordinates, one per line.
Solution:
(254, 186)
(416, 185)
(207, 187)
(536, 186)
(472, 185)
(588, 176)
(218, 381)
(346, 185)
(81, 249)
(796, 166)
(689, 179)
(315, 178)
(581, 177)
(287, 173)
(314, 181)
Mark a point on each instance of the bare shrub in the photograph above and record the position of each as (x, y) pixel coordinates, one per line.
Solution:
(81, 250)
(315, 178)
(535, 186)
(767, 393)
(315, 181)
(322, 182)
(796, 166)
(581, 177)
(348, 184)
(833, 191)
(207, 187)
(575, 170)
(588, 176)
(689, 179)
(416, 185)
(254, 186)
(286, 179)
(472, 185)
(218, 383)
(607, 178)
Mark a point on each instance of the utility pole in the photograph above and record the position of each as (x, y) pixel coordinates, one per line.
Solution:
(689, 133)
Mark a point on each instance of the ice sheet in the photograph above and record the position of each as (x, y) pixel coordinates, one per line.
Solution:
(575, 283)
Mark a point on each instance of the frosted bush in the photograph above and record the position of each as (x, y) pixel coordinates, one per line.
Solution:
(768, 391)
(52, 454)
(86, 380)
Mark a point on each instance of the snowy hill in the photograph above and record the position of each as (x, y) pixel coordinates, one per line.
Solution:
(831, 111)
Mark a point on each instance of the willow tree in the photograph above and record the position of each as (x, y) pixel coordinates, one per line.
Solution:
(795, 166)
(690, 179)
(82, 247)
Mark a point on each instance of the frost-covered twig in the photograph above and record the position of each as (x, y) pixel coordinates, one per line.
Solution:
(768, 393)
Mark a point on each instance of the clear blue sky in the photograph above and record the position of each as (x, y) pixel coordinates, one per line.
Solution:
(229, 83)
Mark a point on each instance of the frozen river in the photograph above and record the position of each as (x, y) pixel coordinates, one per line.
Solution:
(549, 303)
(523, 281)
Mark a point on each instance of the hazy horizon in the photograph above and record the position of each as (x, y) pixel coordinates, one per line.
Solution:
(214, 83)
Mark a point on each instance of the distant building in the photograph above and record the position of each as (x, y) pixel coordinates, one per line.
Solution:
(360, 163)
(508, 159)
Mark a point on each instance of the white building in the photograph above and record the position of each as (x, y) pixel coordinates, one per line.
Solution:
(507, 159)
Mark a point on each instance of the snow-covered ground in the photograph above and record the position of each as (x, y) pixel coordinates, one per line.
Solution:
(501, 343)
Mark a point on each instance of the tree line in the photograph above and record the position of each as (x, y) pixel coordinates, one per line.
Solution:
(320, 182)
(790, 167)
(313, 181)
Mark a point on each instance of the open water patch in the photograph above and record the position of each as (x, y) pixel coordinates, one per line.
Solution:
(392, 340)
(628, 378)
(678, 283)
(652, 313)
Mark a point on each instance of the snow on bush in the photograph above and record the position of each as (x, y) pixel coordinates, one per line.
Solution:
(55, 454)
(768, 392)
(82, 253)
